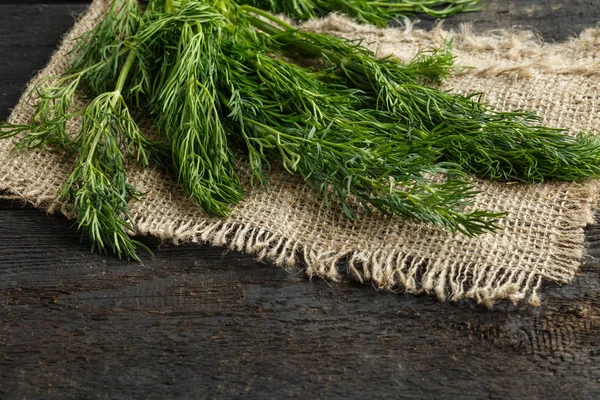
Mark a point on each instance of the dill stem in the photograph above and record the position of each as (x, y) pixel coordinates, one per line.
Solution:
(125, 72)
(116, 95)
(399, 6)
(278, 133)
(303, 47)
(268, 16)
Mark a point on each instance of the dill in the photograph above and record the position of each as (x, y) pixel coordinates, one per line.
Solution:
(221, 81)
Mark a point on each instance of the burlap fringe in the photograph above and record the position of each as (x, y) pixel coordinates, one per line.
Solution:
(391, 271)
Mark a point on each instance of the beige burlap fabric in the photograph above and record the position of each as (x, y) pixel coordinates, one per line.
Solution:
(540, 239)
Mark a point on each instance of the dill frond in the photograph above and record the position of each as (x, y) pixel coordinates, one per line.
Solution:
(100, 53)
(186, 106)
(97, 187)
(55, 106)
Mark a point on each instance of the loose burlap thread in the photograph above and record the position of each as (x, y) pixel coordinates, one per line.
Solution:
(541, 238)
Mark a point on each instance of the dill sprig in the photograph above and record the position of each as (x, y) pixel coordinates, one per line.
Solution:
(185, 102)
(222, 81)
(97, 187)
(54, 100)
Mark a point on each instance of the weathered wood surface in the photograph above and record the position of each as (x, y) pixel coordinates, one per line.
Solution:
(552, 20)
(194, 322)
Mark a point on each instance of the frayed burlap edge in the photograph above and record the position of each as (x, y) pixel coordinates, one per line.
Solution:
(395, 269)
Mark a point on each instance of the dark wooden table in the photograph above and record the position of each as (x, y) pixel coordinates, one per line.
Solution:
(193, 322)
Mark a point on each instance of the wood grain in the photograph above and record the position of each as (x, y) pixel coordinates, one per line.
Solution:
(198, 321)
(552, 20)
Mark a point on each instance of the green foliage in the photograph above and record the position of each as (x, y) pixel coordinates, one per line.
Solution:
(99, 53)
(220, 80)
(55, 106)
(490, 144)
(185, 102)
(349, 153)
(97, 187)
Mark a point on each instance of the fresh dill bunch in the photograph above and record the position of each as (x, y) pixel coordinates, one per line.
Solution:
(219, 79)
(222, 84)
(351, 155)
(373, 12)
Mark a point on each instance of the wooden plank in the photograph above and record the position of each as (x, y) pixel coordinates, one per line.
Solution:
(29, 33)
(552, 20)
(198, 321)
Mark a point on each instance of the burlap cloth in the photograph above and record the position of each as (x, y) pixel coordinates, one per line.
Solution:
(542, 237)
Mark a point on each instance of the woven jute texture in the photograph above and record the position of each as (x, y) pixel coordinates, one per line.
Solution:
(541, 238)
